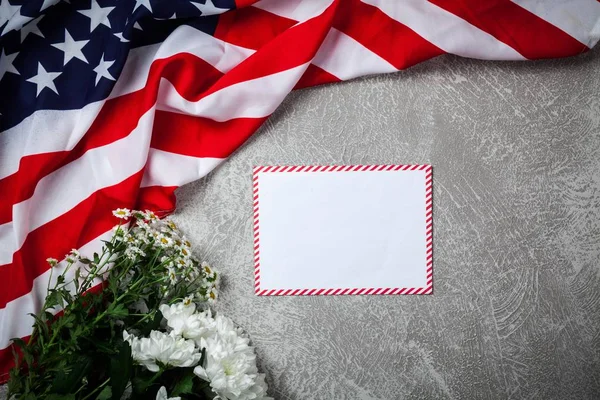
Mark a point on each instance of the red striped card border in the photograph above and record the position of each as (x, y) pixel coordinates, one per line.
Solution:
(428, 289)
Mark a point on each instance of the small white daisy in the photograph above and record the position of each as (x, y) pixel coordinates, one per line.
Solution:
(164, 241)
(172, 275)
(52, 261)
(187, 300)
(150, 216)
(122, 213)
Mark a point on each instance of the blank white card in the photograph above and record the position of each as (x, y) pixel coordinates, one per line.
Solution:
(332, 230)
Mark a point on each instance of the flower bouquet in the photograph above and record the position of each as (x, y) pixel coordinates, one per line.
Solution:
(135, 322)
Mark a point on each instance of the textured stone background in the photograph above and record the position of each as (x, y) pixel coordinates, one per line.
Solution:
(515, 312)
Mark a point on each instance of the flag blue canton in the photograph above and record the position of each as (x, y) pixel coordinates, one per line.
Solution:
(60, 55)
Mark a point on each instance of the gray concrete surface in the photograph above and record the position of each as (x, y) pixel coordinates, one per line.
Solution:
(516, 307)
(515, 310)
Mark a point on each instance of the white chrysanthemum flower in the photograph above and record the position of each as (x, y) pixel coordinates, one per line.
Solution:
(161, 348)
(259, 390)
(122, 213)
(184, 321)
(52, 261)
(177, 310)
(230, 363)
(162, 395)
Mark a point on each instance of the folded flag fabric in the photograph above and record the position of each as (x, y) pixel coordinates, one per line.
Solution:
(117, 103)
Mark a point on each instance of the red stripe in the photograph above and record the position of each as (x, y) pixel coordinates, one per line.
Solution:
(110, 125)
(83, 223)
(292, 48)
(160, 199)
(251, 27)
(314, 76)
(201, 137)
(384, 36)
(295, 46)
(510, 23)
(234, 27)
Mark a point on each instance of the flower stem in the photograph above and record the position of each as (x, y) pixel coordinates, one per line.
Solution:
(97, 389)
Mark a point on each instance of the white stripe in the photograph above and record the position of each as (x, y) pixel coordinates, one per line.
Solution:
(344, 57)
(108, 165)
(44, 131)
(170, 169)
(298, 10)
(446, 30)
(254, 98)
(14, 318)
(62, 130)
(185, 39)
(60, 191)
(579, 18)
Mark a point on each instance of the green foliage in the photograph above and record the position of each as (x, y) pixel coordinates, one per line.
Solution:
(79, 353)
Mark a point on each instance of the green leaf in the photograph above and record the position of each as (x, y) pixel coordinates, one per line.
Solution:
(118, 310)
(96, 258)
(53, 299)
(121, 366)
(106, 394)
(68, 382)
(185, 384)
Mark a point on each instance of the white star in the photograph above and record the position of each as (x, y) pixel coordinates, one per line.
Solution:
(7, 11)
(6, 64)
(16, 22)
(44, 79)
(209, 8)
(72, 48)
(136, 25)
(32, 27)
(142, 3)
(102, 70)
(97, 15)
(122, 38)
(48, 3)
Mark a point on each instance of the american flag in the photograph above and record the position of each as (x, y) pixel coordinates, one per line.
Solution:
(117, 103)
